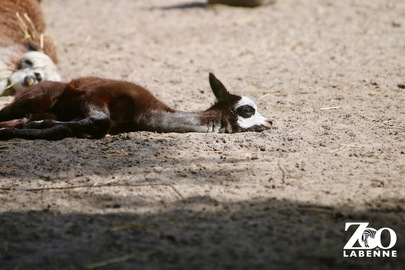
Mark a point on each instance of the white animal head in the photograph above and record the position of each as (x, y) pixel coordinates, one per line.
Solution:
(244, 108)
(248, 116)
(35, 67)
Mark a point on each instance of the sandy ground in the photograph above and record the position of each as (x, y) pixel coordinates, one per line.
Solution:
(331, 75)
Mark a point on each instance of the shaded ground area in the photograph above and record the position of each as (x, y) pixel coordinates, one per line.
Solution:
(330, 74)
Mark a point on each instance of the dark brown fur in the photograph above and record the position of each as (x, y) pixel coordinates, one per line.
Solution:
(81, 99)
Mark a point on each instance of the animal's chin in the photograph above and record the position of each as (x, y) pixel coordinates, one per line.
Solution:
(257, 128)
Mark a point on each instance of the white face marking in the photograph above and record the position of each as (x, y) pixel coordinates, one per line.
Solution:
(255, 119)
(40, 64)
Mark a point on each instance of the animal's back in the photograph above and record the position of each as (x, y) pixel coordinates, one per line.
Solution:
(10, 28)
(106, 91)
(124, 101)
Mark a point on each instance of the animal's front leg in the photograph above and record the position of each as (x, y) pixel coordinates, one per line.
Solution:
(41, 124)
(86, 127)
(17, 123)
(56, 130)
(53, 133)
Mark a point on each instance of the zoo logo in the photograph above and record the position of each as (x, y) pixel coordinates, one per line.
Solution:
(369, 242)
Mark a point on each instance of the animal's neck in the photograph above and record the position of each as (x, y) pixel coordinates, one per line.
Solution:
(182, 122)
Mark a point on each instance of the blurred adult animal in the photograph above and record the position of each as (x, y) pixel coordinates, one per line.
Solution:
(27, 55)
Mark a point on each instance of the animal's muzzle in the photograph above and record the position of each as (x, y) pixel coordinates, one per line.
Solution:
(29, 80)
(268, 123)
(258, 128)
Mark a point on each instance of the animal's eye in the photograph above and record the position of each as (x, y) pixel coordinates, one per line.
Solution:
(245, 111)
(27, 63)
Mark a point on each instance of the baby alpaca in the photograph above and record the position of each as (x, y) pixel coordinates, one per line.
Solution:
(27, 56)
(93, 107)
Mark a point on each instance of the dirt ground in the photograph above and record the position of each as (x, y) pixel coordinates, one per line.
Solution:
(331, 76)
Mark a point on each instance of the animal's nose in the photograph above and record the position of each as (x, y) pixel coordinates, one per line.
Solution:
(268, 123)
(29, 80)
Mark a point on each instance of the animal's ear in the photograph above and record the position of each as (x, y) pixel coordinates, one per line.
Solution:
(219, 89)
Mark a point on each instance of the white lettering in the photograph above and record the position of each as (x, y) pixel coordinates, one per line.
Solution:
(353, 253)
(393, 237)
(356, 235)
(370, 253)
(367, 237)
